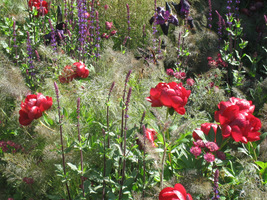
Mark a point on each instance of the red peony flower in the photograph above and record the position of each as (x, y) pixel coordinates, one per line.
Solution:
(44, 103)
(234, 103)
(77, 69)
(237, 121)
(171, 95)
(33, 107)
(41, 8)
(176, 193)
(67, 75)
(151, 135)
(81, 70)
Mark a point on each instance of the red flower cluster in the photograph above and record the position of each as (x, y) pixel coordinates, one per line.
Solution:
(33, 108)
(171, 95)
(10, 145)
(236, 120)
(77, 69)
(209, 147)
(218, 62)
(109, 26)
(28, 181)
(41, 8)
(176, 193)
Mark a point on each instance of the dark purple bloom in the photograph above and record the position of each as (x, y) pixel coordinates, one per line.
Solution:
(182, 8)
(164, 18)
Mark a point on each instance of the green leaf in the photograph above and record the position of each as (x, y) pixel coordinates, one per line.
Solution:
(73, 167)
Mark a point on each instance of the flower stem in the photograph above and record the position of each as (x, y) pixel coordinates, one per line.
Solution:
(61, 138)
(79, 138)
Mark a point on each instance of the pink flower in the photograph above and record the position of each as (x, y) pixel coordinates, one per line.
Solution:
(180, 75)
(176, 193)
(212, 146)
(209, 157)
(190, 82)
(108, 25)
(106, 7)
(171, 95)
(170, 72)
(103, 35)
(113, 32)
(199, 143)
(196, 151)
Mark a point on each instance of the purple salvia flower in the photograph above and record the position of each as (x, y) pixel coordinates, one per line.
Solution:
(237, 8)
(210, 14)
(159, 46)
(219, 27)
(92, 28)
(82, 25)
(53, 36)
(97, 35)
(66, 11)
(71, 9)
(29, 49)
(216, 185)
(154, 25)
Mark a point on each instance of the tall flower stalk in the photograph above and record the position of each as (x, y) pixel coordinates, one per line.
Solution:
(154, 25)
(219, 27)
(144, 158)
(216, 185)
(123, 119)
(53, 36)
(124, 137)
(210, 14)
(128, 24)
(97, 45)
(29, 50)
(61, 137)
(82, 27)
(79, 138)
(108, 104)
